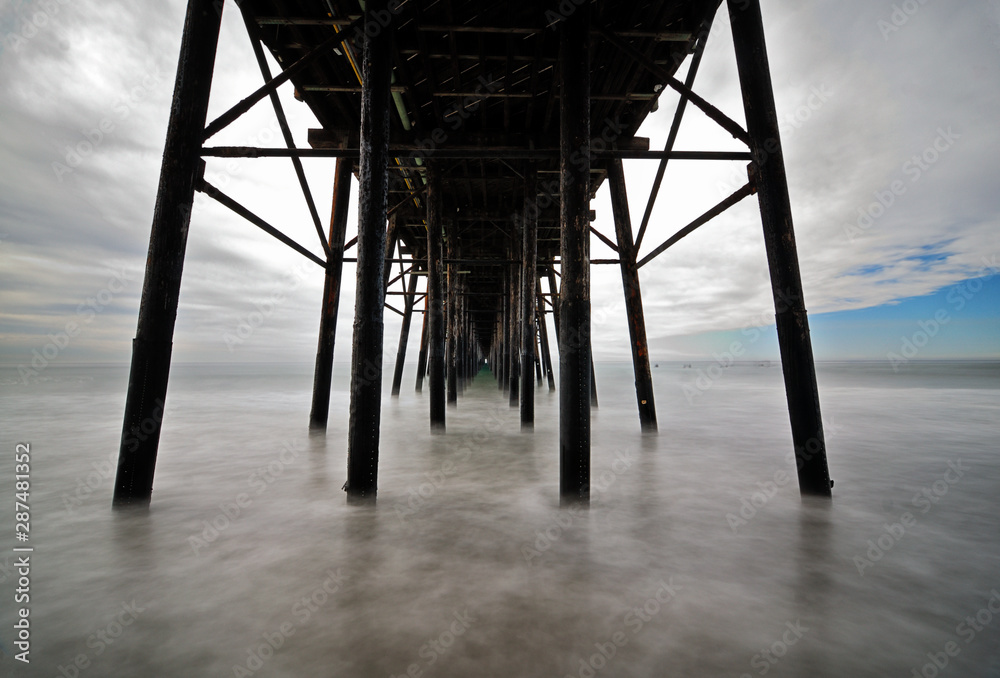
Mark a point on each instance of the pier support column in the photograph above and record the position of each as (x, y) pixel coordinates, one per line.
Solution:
(451, 309)
(529, 281)
(404, 334)
(179, 174)
(391, 237)
(366, 367)
(574, 302)
(779, 239)
(633, 297)
(543, 338)
(435, 299)
(504, 381)
(323, 375)
(514, 316)
(422, 356)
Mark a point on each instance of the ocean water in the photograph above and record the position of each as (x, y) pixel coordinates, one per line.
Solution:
(696, 557)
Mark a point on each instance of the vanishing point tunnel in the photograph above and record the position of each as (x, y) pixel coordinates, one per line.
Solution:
(479, 132)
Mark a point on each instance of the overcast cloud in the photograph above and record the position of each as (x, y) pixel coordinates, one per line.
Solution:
(862, 88)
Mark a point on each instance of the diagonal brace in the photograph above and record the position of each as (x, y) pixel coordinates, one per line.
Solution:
(736, 197)
(279, 112)
(711, 111)
(239, 109)
(674, 129)
(220, 197)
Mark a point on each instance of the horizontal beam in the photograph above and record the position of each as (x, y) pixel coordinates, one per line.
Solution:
(663, 36)
(408, 151)
(349, 137)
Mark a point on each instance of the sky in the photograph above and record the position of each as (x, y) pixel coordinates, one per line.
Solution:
(888, 118)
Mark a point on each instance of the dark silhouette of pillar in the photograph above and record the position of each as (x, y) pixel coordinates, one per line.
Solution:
(366, 367)
(529, 280)
(451, 310)
(422, 356)
(323, 374)
(633, 297)
(779, 239)
(180, 173)
(435, 299)
(543, 337)
(575, 367)
(404, 335)
(514, 318)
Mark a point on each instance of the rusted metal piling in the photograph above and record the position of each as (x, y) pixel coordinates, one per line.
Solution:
(514, 315)
(574, 300)
(779, 241)
(422, 355)
(180, 173)
(323, 374)
(366, 364)
(435, 300)
(633, 297)
(448, 114)
(543, 338)
(404, 334)
(451, 313)
(529, 266)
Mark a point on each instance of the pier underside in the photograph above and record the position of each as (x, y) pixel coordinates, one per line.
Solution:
(478, 133)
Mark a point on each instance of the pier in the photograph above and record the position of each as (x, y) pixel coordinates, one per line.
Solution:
(478, 133)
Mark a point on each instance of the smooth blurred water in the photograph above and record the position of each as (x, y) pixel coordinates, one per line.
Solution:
(467, 566)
